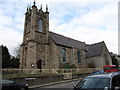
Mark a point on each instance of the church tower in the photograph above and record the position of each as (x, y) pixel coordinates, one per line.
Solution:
(34, 49)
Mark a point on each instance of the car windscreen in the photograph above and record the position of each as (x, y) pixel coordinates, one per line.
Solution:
(6, 81)
(93, 82)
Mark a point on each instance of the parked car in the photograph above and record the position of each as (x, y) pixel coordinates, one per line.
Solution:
(106, 81)
(98, 71)
(11, 85)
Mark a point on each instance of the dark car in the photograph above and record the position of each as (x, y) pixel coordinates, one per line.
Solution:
(106, 81)
(11, 85)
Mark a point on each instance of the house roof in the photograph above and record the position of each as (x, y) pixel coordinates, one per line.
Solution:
(94, 49)
(65, 41)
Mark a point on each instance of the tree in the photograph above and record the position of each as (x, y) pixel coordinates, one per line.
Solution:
(9, 61)
(17, 51)
(14, 62)
(73, 66)
(115, 61)
(16, 59)
(5, 57)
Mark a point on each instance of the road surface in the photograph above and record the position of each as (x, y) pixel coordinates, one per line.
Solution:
(61, 86)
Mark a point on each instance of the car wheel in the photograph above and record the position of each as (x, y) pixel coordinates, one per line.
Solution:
(22, 88)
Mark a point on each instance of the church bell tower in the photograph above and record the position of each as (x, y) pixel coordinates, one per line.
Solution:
(34, 49)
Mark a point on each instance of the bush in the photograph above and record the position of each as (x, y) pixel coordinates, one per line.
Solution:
(73, 66)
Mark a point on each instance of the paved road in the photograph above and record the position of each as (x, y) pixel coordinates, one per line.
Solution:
(62, 86)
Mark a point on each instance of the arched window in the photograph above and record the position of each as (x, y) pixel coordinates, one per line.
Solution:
(78, 57)
(40, 25)
(63, 54)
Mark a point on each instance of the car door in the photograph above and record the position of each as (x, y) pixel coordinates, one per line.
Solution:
(116, 82)
(10, 86)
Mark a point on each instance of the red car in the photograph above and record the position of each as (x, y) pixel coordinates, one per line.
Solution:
(110, 68)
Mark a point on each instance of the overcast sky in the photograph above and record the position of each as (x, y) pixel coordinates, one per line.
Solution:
(89, 21)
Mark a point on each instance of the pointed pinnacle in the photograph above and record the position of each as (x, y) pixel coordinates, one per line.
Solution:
(34, 3)
(41, 7)
(46, 8)
(27, 9)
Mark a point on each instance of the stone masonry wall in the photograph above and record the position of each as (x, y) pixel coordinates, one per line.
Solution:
(55, 59)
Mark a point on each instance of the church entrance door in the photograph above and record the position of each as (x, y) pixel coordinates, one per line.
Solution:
(39, 65)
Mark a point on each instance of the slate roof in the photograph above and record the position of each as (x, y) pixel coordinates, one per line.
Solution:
(65, 41)
(94, 49)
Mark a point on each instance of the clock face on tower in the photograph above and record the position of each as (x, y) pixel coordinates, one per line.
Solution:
(40, 25)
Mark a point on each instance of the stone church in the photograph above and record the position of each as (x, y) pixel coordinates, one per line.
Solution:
(43, 49)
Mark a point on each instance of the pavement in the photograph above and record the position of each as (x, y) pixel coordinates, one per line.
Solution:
(53, 83)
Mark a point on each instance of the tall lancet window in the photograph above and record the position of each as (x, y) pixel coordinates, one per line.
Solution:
(78, 57)
(40, 25)
(63, 54)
